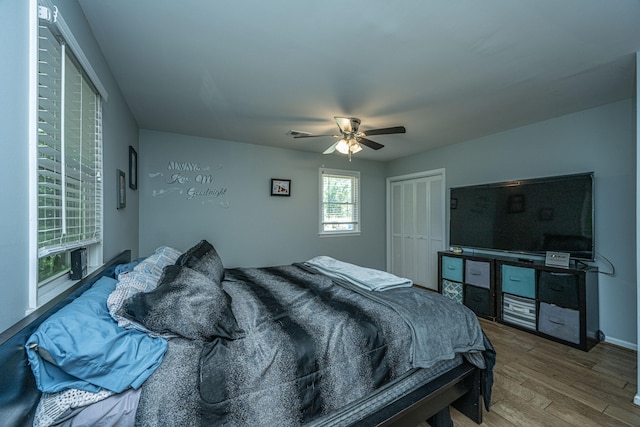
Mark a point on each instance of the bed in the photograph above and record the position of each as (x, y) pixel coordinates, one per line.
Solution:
(204, 345)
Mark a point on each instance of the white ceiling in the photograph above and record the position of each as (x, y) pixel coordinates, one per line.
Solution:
(448, 70)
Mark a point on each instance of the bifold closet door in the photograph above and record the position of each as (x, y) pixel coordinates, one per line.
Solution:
(417, 229)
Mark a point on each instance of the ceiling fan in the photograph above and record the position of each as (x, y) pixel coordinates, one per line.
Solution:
(351, 139)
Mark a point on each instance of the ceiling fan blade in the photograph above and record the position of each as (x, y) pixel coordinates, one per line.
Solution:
(385, 131)
(355, 124)
(312, 136)
(369, 143)
(348, 124)
(295, 133)
(331, 149)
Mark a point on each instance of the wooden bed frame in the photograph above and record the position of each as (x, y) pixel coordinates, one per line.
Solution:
(459, 387)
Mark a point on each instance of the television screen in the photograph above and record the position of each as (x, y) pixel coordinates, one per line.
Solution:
(527, 216)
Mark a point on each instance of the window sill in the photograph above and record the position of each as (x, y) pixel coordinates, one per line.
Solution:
(343, 234)
(54, 288)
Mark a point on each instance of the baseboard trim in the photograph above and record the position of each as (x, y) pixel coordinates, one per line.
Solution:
(621, 343)
(636, 400)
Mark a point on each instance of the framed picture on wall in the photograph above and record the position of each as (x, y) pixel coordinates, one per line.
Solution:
(121, 187)
(280, 187)
(133, 168)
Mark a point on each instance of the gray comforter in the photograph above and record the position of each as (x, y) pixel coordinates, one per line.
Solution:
(309, 345)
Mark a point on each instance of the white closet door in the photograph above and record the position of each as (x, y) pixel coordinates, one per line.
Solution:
(435, 234)
(397, 208)
(409, 230)
(417, 228)
(421, 240)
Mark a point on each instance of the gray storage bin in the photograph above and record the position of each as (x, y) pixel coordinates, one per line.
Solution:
(563, 323)
(477, 273)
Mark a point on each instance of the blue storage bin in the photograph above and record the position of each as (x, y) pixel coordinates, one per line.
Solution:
(452, 268)
(519, 281)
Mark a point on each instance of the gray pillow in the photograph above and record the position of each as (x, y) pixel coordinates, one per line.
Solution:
(186, 303)
(203, 258)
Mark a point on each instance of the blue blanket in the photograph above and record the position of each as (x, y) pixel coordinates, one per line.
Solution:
(82, 347)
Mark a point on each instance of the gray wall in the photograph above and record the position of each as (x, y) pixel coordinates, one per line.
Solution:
(14, 174)
(247, 225)
(601, 140)
(120, 131)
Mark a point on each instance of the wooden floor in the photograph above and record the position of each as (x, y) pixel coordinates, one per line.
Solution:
(541, 383)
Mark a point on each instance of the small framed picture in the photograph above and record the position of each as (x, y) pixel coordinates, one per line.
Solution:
(133, 168)
(280, 187)
(121, 186)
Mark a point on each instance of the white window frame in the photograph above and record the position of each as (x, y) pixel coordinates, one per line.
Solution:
(356, 219)
(44, 9)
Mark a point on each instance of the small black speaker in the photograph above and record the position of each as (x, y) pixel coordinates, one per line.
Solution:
(78, 264)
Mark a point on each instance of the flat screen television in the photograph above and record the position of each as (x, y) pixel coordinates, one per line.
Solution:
(529, 216)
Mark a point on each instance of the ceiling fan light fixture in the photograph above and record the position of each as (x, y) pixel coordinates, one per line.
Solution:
(342, 146)
(348, 146)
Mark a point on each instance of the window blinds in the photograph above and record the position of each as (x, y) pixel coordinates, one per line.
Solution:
(340, 202)
(69, 150)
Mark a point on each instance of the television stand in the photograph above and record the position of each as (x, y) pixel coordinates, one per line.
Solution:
(560, 304)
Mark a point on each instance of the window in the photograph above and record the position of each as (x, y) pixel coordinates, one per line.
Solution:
(339, 202)
(69, 153)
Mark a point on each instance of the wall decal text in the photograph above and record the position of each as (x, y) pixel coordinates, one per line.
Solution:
(191, 181)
